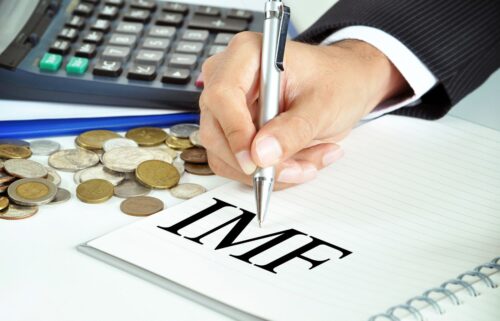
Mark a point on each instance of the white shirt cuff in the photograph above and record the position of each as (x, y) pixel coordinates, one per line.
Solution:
(416, 73)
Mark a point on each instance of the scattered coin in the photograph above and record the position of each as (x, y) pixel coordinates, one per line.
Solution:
(17, 142)
(14, 151)
(53, 176)
(198, 169)
(62, 195)
(130, 188)
(3, 188)
(165, 148)
(183, 130)
(44, 147)
(5, 178)
(194, 138)
(32, 191)
(179, 165)
(16, 212)
(196, 155)
(95, 139)
(4, 203)
(157, 174)
(147, 136)
(1, 164)
(77, 175)
(187, 190)
(141, 206)
(160, 154)
(94, 191)
(118, 142)
(125, 159)
(99, 171)
(73, 159)
(25, 168)
(178, 143)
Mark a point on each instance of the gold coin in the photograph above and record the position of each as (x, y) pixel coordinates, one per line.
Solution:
(94, 191)
(178, 143)
(4, 203)
(32, 190)
(95, 139)
(147, 136)
(14, 151)
(157, 174)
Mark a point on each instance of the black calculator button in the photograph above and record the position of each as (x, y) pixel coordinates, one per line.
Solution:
(240, 14)
(108, 12)
(162, 32)
(223, 38)
(169, 19)
(94, 37)
(176, 7)
(137, 15)
(183, 61)
(143, 4)
(84, 9)
(101, 25)
(116, 53)
(176, 76)
(86, 50)
(149, 57)
(208, 11)
(215, 49)
(195, 35)
(142, 72)
(69, 34)
(130, 27)
(60, 47)
(92, 1)
(119, 39)
(156, 44)
(117, 3)
(107, 68)
(76, 22)
(218, 24)
(189, 47)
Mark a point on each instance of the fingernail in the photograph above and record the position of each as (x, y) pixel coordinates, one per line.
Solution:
(246, 163)
(332, 156)
(291, 175)
(310, 172)
(268, 150)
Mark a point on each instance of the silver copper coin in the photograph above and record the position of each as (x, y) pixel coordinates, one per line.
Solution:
(195, 139)
(113, 143)
(16, 212)
(131, 188)
(141, 206)
(197, 155)
(53, 176)
(25, 168)
(32, 191)
(187, 190)
(62, 196)
(72, 160)
(179, 165)
(125, 159)
(163, 147)
(100, 172)
(6, 178)
(17, 142)
(160, 154)
(44, 147)
(77, 175)
(198, 169)
(183, 130)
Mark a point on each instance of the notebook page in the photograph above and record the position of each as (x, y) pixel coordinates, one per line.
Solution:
(415, 203)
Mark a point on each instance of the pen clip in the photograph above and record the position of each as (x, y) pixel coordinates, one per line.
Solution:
(283, 33)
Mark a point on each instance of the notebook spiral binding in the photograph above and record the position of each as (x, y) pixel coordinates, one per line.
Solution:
(476, 272)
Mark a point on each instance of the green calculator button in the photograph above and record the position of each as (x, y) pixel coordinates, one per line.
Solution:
(50, 62)
(77, 66)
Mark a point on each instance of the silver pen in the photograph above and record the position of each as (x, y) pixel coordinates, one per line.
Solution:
(277, 17)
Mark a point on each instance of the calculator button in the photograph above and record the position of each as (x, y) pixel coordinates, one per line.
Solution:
(92, 1)
(107, 68)
(84, 9)
(218, 24)
(101, 25)
(50, 62)
(208, 11)
(143, 4)
(94, 37)
(130, 27)
(69, 34)
(76, 22)
(117, 3)
(174, 19)
(123, 40)
(163, 32)
(86, 50)
(116, 53)
(108, 12)
(77, 66)
(195, 35)
(223, 38)
(60, 47)
(142, 72)
(176, 7)
(240, 14)
(182, 61)
(176, 76)
(156, 43)
(137, 15)
(189, 47)
(215, 50)
(149, 57)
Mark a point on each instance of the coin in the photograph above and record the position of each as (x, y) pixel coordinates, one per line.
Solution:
(130, 188)
(4, 203)
(179, 165)
(17, 142)
(53, 176)
(125, 159)
(178, 143)
(5, 178)
(16, 212)
(1, 164)
(99, 171)
(72, 160)
(157, 174)
(62, 195)
(187, 190)
(147, 136)
(3, 188)
(95, 139)
(14, 151)
(94, 191)
(32, 191)
(141, 206)
(165, 148)
(44, 147)
(194, 138)
(25, 168)
(198, 169)
(196, 155)
(118, 142)
(160, 154)
(183, 130)
(76, 176)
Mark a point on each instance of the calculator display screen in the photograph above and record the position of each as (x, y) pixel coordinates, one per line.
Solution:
(13, 16)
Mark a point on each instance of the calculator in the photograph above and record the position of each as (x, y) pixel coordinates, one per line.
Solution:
(140, 53)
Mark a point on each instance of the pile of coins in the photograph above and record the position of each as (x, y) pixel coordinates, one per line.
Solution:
(104, 164)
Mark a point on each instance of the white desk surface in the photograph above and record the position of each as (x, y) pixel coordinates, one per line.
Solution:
(44, 277)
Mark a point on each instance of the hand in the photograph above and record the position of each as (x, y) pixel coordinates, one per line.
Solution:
(325, 91)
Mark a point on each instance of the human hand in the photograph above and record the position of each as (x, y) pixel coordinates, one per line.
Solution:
(325, 91)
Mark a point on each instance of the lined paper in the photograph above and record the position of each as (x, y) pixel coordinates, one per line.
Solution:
(416, 202)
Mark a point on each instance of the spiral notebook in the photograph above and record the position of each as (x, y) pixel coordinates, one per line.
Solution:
(405, 227)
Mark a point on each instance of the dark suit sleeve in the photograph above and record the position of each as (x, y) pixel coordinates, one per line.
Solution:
(458, 40)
